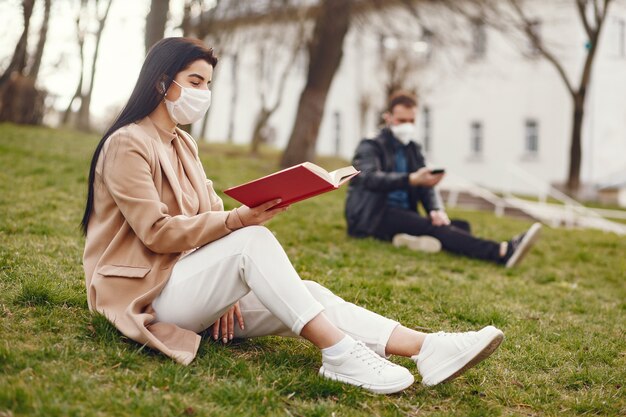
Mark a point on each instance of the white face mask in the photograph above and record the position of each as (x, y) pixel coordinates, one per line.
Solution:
(405, 132)
(190, 106)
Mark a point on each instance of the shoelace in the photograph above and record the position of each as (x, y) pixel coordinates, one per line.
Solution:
(467, 338)
(517, 239)
(370, 358)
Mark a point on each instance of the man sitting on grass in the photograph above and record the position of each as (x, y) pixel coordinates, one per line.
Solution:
(382, 201)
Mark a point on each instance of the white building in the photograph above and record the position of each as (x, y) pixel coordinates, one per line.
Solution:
(492, 110)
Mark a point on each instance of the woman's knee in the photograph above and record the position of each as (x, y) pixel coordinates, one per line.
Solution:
(253, 234)
(322, 294)
(254, 231)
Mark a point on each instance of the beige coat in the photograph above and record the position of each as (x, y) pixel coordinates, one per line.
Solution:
(137, 232)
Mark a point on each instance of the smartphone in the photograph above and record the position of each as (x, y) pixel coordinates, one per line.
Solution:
(436, 171)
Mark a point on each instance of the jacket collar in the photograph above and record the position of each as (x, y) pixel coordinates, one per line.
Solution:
(187, 151)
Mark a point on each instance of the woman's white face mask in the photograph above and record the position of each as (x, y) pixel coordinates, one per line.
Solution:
(190, 106)
(405, 132)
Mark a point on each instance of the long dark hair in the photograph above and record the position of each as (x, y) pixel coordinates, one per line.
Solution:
(164, 60)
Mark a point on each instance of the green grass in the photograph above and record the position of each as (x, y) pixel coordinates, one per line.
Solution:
(563, 311)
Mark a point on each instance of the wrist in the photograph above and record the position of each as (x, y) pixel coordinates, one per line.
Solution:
(233, 220)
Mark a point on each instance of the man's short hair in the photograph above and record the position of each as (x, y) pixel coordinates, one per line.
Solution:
(401, 98)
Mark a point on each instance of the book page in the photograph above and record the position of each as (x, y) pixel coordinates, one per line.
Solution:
(318, 170)
(341, 173)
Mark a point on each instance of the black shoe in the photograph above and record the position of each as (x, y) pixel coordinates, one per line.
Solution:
(520, 245)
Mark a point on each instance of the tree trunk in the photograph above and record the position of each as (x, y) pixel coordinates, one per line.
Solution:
(325, 53)
(233, 98)
(81, 49)
(575, 153)
(257, 136)
(84, 116)
(25, 104)
(155, 22)
(43, 34)
(20, 54)
(185, 25)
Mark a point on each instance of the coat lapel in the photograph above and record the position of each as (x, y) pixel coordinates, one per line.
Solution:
(149, 129)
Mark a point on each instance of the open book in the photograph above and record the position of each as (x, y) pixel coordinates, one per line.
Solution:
(292, 184)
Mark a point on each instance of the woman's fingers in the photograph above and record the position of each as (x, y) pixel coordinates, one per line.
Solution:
(231, 323)
(268, 205)
(216, 329)
(261, 213)
(239, 316)
(224, 327)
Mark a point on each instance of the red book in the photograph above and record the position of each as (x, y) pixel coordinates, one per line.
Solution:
(292, 184)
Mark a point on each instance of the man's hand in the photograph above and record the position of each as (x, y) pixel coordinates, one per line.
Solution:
(423, 178)
(439, 218)
(226, 324)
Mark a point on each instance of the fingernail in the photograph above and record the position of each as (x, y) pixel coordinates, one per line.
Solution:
(230, 336)
(242, 327)
(215, 337)
(225, 340)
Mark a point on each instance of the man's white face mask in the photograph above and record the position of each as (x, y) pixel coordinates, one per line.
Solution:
(405, 132)
(190, 106)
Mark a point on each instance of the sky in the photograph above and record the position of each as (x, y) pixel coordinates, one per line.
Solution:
(119, 60)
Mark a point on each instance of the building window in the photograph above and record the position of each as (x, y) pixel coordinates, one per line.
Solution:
(476, 138)
(535, 40)
(424, 47)
(479, 39)
(531, 142)
(426, 133)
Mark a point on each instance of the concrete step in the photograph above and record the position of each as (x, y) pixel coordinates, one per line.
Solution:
(472, 202)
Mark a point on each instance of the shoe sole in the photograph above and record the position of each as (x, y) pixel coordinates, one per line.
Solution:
(376, 389)
(483, 352)
(529, 240)
(426, 244)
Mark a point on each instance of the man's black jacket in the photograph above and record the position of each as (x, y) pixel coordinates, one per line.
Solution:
(367, 192)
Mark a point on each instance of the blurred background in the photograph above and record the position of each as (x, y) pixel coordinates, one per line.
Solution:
(516, 97)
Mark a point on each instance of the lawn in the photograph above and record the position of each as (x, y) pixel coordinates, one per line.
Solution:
(563, 311)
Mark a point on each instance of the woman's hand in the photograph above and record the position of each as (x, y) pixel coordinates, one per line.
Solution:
(259, 214)
(226, 324)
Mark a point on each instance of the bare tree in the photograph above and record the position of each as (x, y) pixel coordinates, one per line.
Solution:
(80, 37)
(20, 99)
(593, 15)
(155, 22)
(514, 18)
(84, 117)
(325, 53)
(33, 70)
(20, 54)
(265, 85)
(234, 96)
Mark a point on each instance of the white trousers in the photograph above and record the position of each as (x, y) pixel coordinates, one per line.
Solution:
(250, 266)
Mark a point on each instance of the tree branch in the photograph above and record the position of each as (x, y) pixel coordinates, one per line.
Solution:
(597, 13)
(582, 12)
(586, 74)
(527, 28)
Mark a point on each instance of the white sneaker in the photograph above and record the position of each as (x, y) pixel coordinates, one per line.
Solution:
(445, 356)
(362, 367)
(417, 243)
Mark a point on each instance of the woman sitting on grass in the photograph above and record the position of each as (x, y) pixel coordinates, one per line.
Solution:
(164, 261)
